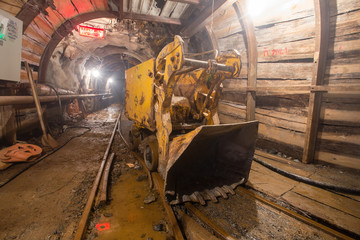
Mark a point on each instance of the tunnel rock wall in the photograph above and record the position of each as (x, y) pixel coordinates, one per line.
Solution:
(67, 68)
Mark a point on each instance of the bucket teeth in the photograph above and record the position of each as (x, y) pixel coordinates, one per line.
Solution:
(221, 191)
(186, 198)
(234, 185)
(193, 198)
(211, 196)
(200, 198)
(208, 194)
(228, 189)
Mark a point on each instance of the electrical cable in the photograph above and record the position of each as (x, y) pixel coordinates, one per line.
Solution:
(309, 181)
(60, 105)
(45, 156)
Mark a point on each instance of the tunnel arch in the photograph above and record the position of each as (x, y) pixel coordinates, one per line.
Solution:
(62, 31)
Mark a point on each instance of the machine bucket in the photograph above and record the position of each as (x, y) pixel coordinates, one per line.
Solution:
(209, 162)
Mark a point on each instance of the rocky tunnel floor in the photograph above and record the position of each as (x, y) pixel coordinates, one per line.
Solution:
(46, 201)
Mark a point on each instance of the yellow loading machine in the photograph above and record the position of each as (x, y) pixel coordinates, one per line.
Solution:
(173, 103)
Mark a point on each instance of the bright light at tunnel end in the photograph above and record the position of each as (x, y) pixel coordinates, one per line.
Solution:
(95, 72)
(110, 80)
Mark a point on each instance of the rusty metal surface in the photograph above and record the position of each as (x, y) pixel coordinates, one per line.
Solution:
(139, 94)
(210, 161)
(210, 158)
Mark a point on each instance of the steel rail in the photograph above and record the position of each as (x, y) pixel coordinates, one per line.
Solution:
(294, 214)
(85, 215)
(104, 189)
(219, 232)
(15, 100)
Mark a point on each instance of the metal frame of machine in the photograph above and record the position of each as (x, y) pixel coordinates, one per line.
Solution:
(173, 103)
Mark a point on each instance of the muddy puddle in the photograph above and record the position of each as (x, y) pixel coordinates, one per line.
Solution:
(127, 216)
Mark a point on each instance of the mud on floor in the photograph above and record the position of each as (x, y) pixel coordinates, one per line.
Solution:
(134, 211)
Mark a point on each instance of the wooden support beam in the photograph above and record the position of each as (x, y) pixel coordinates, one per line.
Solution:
(248, 26)
(298, 89)
(30, 10)
(121, 9)
(322, 21)
(213, 39)
(151, 18)
(195, 25)
(195, 2)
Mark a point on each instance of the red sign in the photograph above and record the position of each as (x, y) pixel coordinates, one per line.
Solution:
(91, 32)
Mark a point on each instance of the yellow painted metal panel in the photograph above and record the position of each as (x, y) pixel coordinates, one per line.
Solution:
(139, 94)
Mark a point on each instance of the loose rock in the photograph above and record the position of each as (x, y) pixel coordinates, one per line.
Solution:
(150, 198)
(108, 214)
(159, 227)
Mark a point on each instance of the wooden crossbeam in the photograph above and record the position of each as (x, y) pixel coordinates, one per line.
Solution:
(151, 18)
(195, 25)
(349, 89)
(28, 12)
(195, 2)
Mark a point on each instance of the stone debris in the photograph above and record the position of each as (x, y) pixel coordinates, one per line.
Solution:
(150, 198)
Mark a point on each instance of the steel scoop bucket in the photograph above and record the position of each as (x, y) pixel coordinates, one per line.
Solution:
(209, 162)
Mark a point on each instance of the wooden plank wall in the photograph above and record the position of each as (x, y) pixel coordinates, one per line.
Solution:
(285, 40)
(285, 50)
(339, 129)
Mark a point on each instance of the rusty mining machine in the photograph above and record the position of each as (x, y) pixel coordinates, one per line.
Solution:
(173, 103)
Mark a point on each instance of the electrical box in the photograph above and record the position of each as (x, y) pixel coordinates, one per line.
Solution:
(10, 47)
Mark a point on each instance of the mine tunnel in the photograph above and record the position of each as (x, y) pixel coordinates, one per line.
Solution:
(179, 119)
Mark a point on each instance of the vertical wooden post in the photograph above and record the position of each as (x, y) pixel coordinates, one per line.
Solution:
(322, 20)
(213, 39)
(244, 20)
(8, 124)
(121, 9)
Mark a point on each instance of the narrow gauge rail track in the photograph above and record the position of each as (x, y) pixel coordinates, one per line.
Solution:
(154, 177)
(155, 180)
(220, 232)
